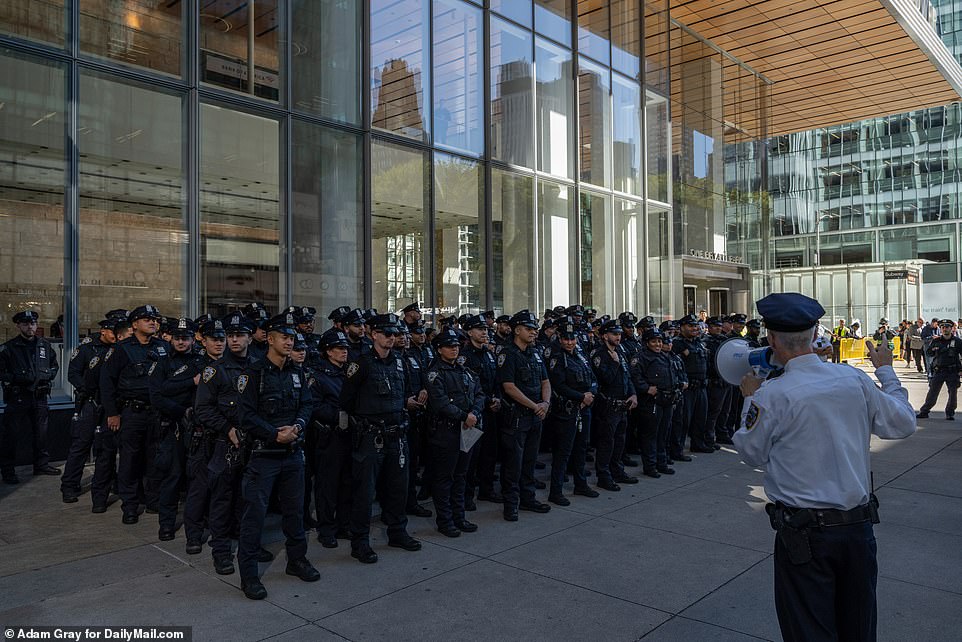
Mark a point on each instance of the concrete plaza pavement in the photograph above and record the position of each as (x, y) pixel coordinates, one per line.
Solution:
(686, 557)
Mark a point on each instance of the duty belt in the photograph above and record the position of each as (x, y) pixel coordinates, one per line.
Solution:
(696, 383)
(825, 517)
(135, 404)
(22, 391)
(618, 405)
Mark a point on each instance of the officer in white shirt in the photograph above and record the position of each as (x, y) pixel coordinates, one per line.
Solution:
(810, 429)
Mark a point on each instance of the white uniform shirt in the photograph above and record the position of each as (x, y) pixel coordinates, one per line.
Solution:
(810, 430)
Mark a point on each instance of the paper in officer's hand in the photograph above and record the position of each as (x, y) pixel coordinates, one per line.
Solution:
(469, 437)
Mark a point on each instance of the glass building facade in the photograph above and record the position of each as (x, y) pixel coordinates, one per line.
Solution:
(855, 209)
(468, 155)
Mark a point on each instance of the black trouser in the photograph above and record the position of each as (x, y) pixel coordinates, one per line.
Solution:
(677, 434)
(836, 352)
(832, 596)
(484, 457)
(450, 471)
(719, 403)
(198, 490)
(951, 380)
(264, 473)
(570, 446)
(310, 466)
(610, 426)
(136, 427)
(696, 416)
(417, 449)
(632, 428)
(735, 411)
(916, 353)
(520, 437)
(106, 445)
(381, 469)
(225, 504)
(169, 463)
(83, 427)
(652, 416)
(25, 414)
(332, 482)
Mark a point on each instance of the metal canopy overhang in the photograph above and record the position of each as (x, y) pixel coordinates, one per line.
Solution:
(829, 62)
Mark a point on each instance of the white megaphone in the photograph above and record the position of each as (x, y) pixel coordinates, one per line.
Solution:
(735, 359)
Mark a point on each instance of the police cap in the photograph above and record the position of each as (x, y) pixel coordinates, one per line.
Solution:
(384, 322)
(369, 314)
(576, 310)
(627, 318)
(504, 318)
(716, 322)
(591, 313)
(524, 318)
(789, 311)
(474, 321)
(753, 323)
(300, 344)
(202, 319)
(26, 316)
(739, 318)
(558, 310)
(411, 307)
(946, 323)
(283, 323)
(145, 312)
(253, 310)
(611, 327)
(416, 327)
(214, 329)
(652, 334)
(567, 327)
(108, 323)
(333, 339)
(688, 319)
(668, 325)
(337, 314)
(183, 327)
(235, 323)
(354, 317)
(117, 313)
(446, 338)
(488, 314)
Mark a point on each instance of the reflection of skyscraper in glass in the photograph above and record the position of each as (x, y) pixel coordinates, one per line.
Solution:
(511, 113)
(398, 103)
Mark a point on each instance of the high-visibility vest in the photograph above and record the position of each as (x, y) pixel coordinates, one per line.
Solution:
(841, 332)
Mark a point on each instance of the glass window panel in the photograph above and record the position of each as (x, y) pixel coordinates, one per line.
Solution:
(133, 236)
(556, 245)
(658, 262)
(228, 35)
(400, 74)
(656, 147)
(144, 33)
(593, 37)
(326, 59)
(555, 89)
(517, 10)
(399, 244)
(552, 18)
(328, 229)
(626, 37)
(656, 45)
(594, 131)
(458, 235)
(596, 265)
(626, 136)
(512, 241)
(240, 210)
(44, 20)
(458, 82)
(628, 254)
(33, 94)
(512, 109)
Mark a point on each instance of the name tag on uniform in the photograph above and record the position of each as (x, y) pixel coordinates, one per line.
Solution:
(161, 351)
(414, 363)
(296, 379)
(43, 353)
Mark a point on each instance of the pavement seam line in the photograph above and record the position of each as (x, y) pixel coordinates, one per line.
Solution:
(691, 619)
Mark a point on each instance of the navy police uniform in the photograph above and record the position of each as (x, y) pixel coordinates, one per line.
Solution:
(694, 355)
(27, 369)
(484, 456)
(655, 378)
(616, 396)
(945, 362)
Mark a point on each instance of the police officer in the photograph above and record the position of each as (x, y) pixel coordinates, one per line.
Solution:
(336, 317)
(455, 403)
(691, 348)
(810, 429)
(332, 454)
(216, 454)
(276, 405)
(479, 358)
(526, 394)
(259, 319)
(417, 355)
(653, 376)
(719, 391)
(173, 384)
(944, 353)
(28, 365)
(83, 373)
(124, 391)
(374, 395)
(573, 388)
(630, 346)
(502, 333)
(676, 436)
(411, 313)
(357, 342)
(616, 396)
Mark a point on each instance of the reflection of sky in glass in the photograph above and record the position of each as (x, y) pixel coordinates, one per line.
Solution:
(703, 147)
(457, 76)
(399, 84)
